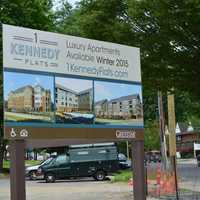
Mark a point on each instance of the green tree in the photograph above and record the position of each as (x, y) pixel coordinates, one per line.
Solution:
(62, 14)
(168, 34)
(99, 19)
(152, 138)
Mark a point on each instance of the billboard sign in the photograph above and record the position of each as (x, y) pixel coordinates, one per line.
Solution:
(59, 86)
(34, 50)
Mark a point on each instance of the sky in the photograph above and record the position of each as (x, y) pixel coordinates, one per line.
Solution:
(72, 2)
(77, 85)
(108, 90)
(13, 81)
(57, 3)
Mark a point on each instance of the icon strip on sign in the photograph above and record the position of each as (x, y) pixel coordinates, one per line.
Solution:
(13, 133)
(24, 133)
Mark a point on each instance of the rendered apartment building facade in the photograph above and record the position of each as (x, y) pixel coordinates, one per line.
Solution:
(68, 100)
(125, 107)
(28, 98)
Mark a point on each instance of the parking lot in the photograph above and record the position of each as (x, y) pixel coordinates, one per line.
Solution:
(84, 189)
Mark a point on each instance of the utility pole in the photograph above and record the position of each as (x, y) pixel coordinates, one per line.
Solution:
(162, 129)
(172, 137)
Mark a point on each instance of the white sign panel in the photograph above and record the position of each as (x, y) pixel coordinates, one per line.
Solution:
(196, 146)
(29, 49)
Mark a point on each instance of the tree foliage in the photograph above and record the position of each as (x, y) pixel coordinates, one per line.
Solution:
(152, 138)
(168, 34)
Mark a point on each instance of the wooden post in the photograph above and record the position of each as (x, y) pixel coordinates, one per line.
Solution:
(172, 137)
(17, 170)
(138, 170)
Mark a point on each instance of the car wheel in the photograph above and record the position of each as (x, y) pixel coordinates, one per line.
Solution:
(100, 175)
(32, 175)
(50, 178)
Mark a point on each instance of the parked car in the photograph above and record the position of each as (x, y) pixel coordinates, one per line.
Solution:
(198, 160)
(124, 163)
(31, 171)
(95, 162)
(153, 156)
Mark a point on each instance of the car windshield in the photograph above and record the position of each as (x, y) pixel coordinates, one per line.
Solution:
(61, 159)
(122, 156)
(47, 161)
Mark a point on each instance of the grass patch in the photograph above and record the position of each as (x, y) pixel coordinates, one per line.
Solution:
(6, 167)
(6, 163)
(32, 162)
(13, 118)
(122, 176)
(4, 175)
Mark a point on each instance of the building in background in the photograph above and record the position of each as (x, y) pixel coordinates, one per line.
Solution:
(68, 100)
(101, 108)
(186, 136)
(125, 107)
(29, 99)
(21, 100)
(85, 100)
(42, 99)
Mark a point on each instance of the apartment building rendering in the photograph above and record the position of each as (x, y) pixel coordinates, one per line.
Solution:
(68, 100)
(125, 107)
(29, 99)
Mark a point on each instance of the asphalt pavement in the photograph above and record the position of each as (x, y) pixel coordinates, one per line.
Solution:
(189, 175)
(84, 189)
(88, 189)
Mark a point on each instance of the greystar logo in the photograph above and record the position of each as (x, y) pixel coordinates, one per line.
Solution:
(33, 51)
(125, 134)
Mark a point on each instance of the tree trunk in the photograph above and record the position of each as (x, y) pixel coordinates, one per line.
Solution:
(35, 154)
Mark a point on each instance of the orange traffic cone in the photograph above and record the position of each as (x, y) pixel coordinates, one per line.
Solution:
(130, 182)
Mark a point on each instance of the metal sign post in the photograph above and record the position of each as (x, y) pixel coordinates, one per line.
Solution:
(17, 170)
(139, 186)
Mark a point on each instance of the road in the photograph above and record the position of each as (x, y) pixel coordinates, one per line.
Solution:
(85, 189)
(189, 174)
(88, 189)
(188, 177)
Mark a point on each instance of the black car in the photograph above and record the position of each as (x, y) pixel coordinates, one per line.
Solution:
(198, 160)
(96, 162)
(124, 163)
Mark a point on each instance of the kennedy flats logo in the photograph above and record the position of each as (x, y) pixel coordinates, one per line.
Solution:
(34, 51)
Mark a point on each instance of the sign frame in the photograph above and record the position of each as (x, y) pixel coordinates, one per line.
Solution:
(89, 129)
(21, 134)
